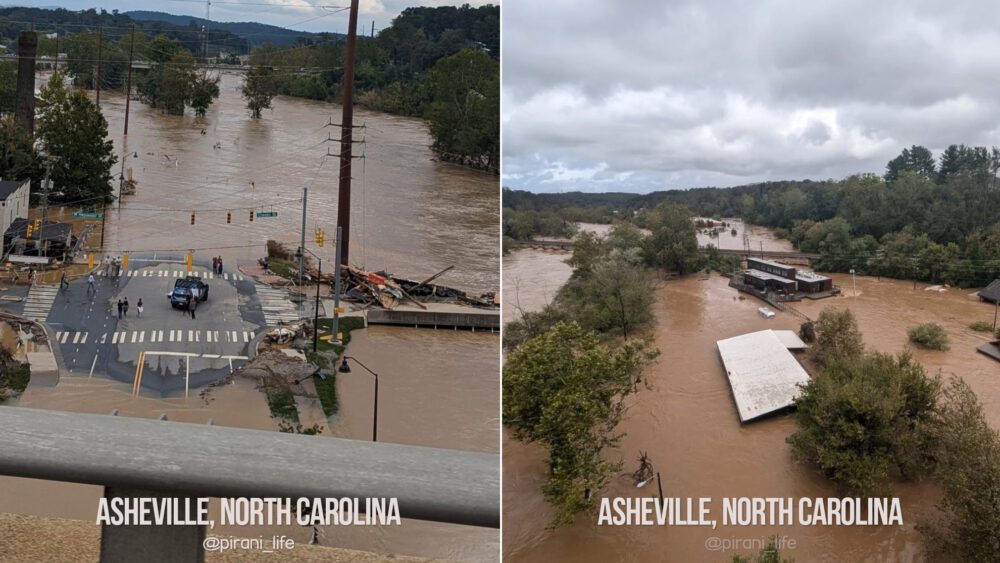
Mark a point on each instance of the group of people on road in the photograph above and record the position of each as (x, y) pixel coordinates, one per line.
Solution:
(113, 266)
(217, 265)
(123, 308)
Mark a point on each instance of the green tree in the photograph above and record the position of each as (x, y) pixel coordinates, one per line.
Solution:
(258, 89)
(8, 87)
(203, 91)
(915, 159)
(74, 138)
(837, 336)
(566, 391)
(673, 244)
(859, 419)
(18, 158)
(769, 554)
(464, 114)
(616, 294)
(969, 473)
(176, 86)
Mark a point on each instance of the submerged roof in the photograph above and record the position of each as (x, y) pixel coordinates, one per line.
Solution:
(790, 339)
(763, 374)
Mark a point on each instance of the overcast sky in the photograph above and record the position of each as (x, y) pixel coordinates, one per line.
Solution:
(303, 15)
(649, 95)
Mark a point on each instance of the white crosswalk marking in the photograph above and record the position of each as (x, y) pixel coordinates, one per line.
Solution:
(135, 337)
(276, 306)
(39, 301)
(248, 336)
(114, 339)
(76, 338)
(142, 335)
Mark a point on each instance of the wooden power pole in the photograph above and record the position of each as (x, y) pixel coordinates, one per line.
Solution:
(346, 139)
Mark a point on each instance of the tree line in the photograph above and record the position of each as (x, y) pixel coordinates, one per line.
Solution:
(441, 64)
(933, 220)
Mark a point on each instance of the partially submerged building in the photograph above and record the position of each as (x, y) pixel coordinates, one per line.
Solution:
(767, 275)
(991, 293)
(764, 376)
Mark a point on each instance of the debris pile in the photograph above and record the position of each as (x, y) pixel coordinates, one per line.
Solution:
(384, 290)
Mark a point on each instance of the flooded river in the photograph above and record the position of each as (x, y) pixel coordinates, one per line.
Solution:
(689, 426)
(411, 215)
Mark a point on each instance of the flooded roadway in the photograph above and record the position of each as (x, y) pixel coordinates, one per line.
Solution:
(689, 426)
(411, 215)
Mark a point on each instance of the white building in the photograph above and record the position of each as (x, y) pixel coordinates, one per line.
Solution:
(13, 201)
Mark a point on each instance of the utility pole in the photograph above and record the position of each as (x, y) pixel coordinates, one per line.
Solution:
(100, 43)
(346, 140)
(128, 83)
(373, 29)
(208, 22)
(336, 291)
(302, 255)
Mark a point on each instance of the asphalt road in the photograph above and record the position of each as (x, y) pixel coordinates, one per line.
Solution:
(92, 339)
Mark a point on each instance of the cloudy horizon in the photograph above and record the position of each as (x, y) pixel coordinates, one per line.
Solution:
(681, 94)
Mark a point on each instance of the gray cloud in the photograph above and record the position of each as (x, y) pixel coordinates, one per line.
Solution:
(648, 95)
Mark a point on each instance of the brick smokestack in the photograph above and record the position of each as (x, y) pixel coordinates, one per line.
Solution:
(27, 48)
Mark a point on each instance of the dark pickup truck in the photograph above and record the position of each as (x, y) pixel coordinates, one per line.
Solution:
(184, 288)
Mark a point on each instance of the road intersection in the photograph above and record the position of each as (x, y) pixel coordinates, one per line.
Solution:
(177, 350)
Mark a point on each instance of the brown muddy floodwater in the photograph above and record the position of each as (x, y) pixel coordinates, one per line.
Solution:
(689, 426)
(411, 215)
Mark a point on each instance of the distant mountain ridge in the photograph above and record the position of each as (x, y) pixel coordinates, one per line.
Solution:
(255, 33)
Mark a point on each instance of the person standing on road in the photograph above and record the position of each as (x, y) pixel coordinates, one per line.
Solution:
(121, 307)
(220, 265)
(125, 307)
(215, 265)
(138, 307)
(192, 305)
(90, 284)
(62, 280)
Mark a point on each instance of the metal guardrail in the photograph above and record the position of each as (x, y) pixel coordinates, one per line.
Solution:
(183, 459)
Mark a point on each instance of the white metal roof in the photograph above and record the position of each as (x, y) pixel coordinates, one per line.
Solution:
(763, 374)
(790, 339)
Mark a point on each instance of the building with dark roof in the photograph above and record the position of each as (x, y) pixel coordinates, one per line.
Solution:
(768, 275)
(991, 292)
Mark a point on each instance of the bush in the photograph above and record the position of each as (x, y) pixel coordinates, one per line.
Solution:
(929, 335)
(980, 326)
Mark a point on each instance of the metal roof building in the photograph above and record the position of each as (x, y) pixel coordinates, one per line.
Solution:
(763, 374)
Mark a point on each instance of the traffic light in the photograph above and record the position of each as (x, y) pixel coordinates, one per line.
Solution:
(190, 261)
(90, 260)
(229, 216)
(320, 238)
(28, 235)
(251, 215)
(38, 225)
(125, 261)
(192, 218)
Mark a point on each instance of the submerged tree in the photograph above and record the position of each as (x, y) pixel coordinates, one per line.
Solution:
(258, 89)
(969, 472)
(837, 336)
(567, 391)
(203, 91)
(861, 418)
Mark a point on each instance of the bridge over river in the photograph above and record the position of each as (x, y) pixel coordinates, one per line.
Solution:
(567, 245)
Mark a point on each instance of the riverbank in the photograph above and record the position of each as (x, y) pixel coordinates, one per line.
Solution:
(687, 423)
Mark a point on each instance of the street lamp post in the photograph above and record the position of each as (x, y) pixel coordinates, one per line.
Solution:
(854, 283)
(344, 368)
(316, 307)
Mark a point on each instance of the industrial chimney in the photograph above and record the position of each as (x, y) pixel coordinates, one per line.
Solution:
(27, 48)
